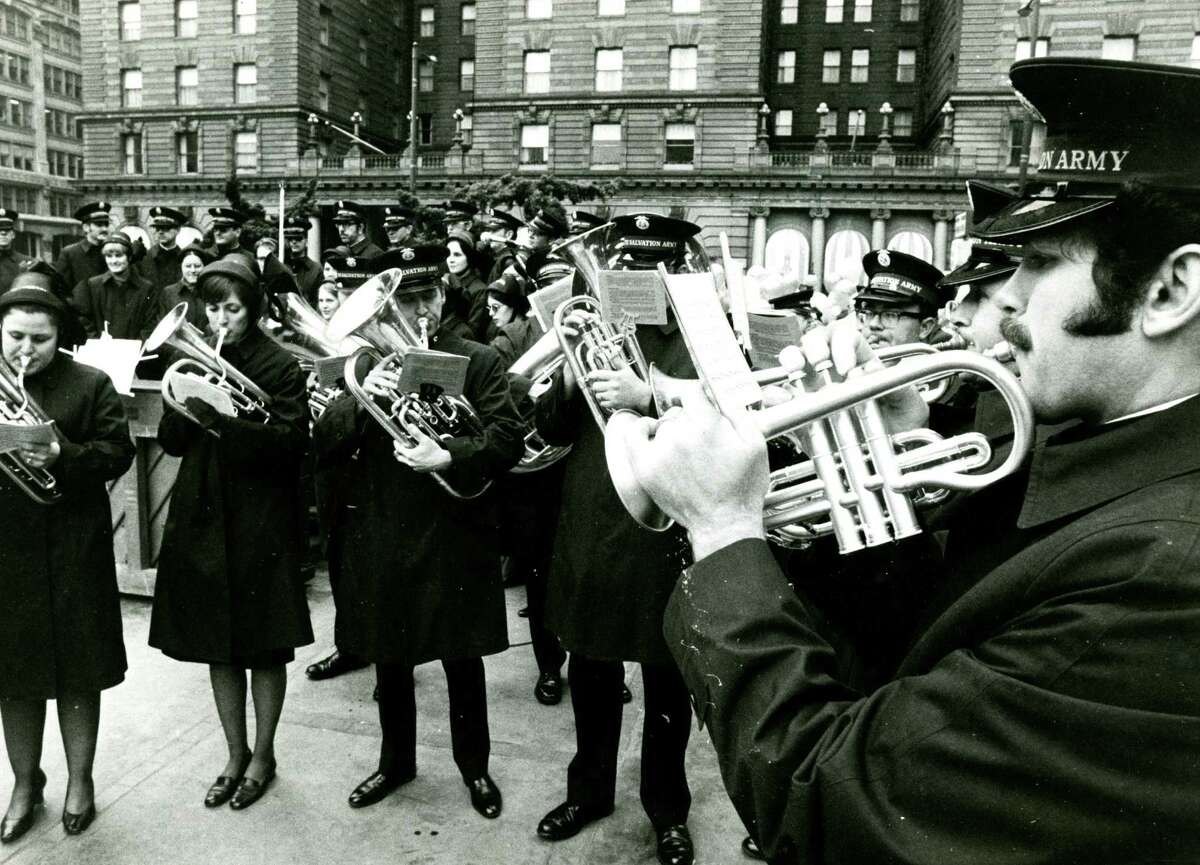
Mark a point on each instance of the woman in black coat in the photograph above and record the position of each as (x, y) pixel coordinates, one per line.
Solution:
(60, 623)
(229, 593)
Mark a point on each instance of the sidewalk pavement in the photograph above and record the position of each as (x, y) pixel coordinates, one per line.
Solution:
(161, 746)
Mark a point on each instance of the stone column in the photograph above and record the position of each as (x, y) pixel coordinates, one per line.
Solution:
(818, 215)
(758, 247)
(314, 239)
(941, 235)
(879, 218)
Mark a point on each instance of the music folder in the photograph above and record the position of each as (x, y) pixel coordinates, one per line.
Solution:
(770, 333)
(184, 386)
(14, 436)
(632, 294)
(329, 370)
(118, 358)
(439, 369)
(545, 301)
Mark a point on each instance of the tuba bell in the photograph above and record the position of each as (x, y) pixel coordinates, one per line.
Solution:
(17, 407)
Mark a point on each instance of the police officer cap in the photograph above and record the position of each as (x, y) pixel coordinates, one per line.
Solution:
(295, 226)
(96, 211)
(987, 261)
(502, 219)
(549, 224)
(226, 217)
(897, 277)
(8, 217)
(397, 215)
(649, 237)
(166, 217)
(348, 211)
(458, 210)
(1108, 122)
(582, 221)
(420, 266)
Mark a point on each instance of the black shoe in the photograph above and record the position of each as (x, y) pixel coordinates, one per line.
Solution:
(485, 796)
(377, 787)
(548, 689)
(523, 612)
(250, 791)
(75, 824)
(626, 694)
(751, 849)
(333, 665)
(566, 820)
(675, 846)
(11, 830)
(222, 789)
(375, 694)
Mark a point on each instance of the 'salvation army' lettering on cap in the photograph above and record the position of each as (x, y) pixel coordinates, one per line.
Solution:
(420, 266)
(897, 277)
(649, 237)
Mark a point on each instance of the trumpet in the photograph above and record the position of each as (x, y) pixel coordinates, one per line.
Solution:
(204, 362)
(539, 364)
(301, 331)
(371, 314)
(861, 484)
(16, 407)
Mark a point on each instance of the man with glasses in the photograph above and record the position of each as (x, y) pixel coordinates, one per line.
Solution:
(11, 261)
(398, 225)
(351, 222)
(83, 259)
(900, 303)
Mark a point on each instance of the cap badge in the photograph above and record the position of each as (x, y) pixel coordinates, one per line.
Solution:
(351, 262)
(642, 223)
(883, 258)
(408, 254)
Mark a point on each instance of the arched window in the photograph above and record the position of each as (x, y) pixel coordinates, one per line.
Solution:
(787, 252)
(843, 256)
(914, 243)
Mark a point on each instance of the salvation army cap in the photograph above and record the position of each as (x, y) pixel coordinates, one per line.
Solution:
(166, 217)
(348, 211)
(226, 217)
(549, 224)
(458, 210)
(501, 219)
(1108, 123)
(582, 221)
(420, 266)
(644, 239)
(295, 226)
(397, 216)
(8, 217)
(987, 261)
(352, 270)
(96, 211)
(897, 277)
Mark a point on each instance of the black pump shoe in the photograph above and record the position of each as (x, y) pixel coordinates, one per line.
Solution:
(222, 789)
(11, 830)
(74, 824)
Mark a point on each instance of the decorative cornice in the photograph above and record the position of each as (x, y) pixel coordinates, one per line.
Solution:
(881, 213)
(681, 112)
(818, 213)
(605, 113)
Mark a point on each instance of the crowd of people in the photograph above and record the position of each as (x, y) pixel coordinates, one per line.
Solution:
(1015, 683)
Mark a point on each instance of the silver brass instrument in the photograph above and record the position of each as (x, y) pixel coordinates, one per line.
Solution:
(372, 314)
(302, 334)
(859, 482)
(202, 361)
(539, 364)
(16, 407)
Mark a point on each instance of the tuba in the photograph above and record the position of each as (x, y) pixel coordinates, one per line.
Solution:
(203, 361)
(301, 331)
(371, 314)
(16, 407)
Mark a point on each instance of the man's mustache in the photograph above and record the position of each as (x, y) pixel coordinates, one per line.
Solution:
(1017, 334)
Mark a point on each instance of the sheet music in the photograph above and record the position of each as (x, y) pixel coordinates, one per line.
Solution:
(423, 366)
(638, 294)
(544, 301)
(118, 358)
(771, 333)
(184, 386)
(14, 436)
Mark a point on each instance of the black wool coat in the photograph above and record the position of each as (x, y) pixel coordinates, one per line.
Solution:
(420, 569)
(161, 267)
(129, 309)
(229, 584)
(60, 619)
(1049, 710)
(80, 261)
(11, 263)
(610, 578)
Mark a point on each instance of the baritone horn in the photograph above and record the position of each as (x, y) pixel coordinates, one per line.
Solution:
(204, 362)
(539, 364)
(860, 481)
(17, 407)
(301, 332)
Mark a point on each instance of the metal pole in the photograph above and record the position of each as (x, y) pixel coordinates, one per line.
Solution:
(1027, 129)
(282, 199)
(412, 127)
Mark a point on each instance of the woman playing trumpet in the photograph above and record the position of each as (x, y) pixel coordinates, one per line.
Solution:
(228, 592)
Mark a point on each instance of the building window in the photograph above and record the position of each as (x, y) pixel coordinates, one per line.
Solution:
(131, 88)
(789, 11)
(466, 74)
(187, 84)
(610, 7)
(131, 150)
(610, 63)
(425, 129)
(131, 20)
(902, 120)
(17, 69)
(186, 16)
(425, 76)
(785, 67)
(683, 67)
(323, 86)
(467, 19)
(606, 145)
(910, 10)
(426, 30)
(324, 25)
(1016, 137)
(1195, 59)
(828, 123)
(685, 7)
(681, 144)
(783, 123)
(466, 127)
(187, 153)
(831, 66)
(537, 71)
(860, 64)
(245, 152)
(1118, 47)
(862, 11)
(856, 122)
(538, 8)
(20, 113)
(906, 65)
(535, 142)
(245, 77)
(245, 17)
(364, 54)
(1022, 52)
(833, 11)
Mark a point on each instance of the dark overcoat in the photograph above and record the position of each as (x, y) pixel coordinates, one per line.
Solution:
(309, 276)
(420, 569)
(228, 573)
(60, 619)
(80, 261)
(610, 578)
(161, 267)
(1050, 710)
(129, 308)
(178, 292)
(11, 263)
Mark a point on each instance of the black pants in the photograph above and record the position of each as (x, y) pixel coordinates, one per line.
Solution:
(596, 700)
(546, 648)
(469, 736)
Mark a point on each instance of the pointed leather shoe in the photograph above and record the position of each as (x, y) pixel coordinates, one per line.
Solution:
(751, 850)
(378, 786)
(11, 830)
(485, 796)
(332, 665)
(566, 821)
(548, 690)
(675, 846)
(75, 824)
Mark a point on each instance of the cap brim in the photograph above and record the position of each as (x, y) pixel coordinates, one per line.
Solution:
(978, 274)
(1029, 215)
(894, 298)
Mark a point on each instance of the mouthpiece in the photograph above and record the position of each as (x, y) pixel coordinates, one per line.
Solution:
(1001, 351)
(423, 323)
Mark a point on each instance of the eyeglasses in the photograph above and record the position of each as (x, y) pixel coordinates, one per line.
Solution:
(887, 317)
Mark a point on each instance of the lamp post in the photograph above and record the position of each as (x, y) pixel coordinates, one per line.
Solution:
(412, 117)
(1031, 9)
(458, 119)
(764, 113)
(822, 111)
(356, 118)
(946, 137)
(885, 131)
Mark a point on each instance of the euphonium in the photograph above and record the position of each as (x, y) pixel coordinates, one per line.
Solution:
(371, 314)
(16, 407)
(539, 364)
(204, 362)
(856, 484)
(302, 333)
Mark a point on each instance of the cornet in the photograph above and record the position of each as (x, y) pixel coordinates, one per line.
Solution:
(204, 362)
(16, 407)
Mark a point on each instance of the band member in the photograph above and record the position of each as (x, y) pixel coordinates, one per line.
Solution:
(226, 224)
(307, 272)
(1063, 588)
(328, 299)
(421, 565)
(901, 300)
(610, 580)
(121, 302)
(228, 593)
(11, 261)
(499, 229)
(351, 221)
(194, 259)
(508, 309)
(546, 227)
(466, 293)
(162, 264)
(974, 314)
(60, 623)
(398, 225)
(83, 259)
(460, 216)
(581, 221)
